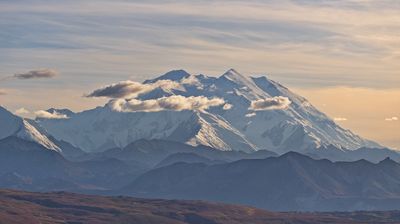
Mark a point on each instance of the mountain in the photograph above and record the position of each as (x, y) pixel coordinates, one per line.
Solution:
(291, 182)
(149, 153)
(185, 158)
(30, 166)
(12, 125)
(68, 151)
(371, 154)
(61, 207)
(102, 128)
(297, 127)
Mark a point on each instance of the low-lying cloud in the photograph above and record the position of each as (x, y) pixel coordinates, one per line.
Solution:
(22, 111)
(392, 119)
(47, 115)
(37, 74)
(340, 119)
(227, 106)
(130, 89)
(3, 92)
(250, 115)
(273, 103)
(175, 103)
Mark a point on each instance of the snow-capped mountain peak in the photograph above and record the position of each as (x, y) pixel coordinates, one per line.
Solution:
(235, 76)
(294, 126)
(174, 75)
(12, 125)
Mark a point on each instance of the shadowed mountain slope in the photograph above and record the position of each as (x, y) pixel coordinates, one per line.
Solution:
(289, 182)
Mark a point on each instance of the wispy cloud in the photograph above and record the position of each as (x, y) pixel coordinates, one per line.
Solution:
(47, 115)
(22, 111)
(250, 114)
(364, 108)
(37, 74)
(324, 42)
(392, 119)
(274, 103)
(130, 89)
(227, 106)
(340, 119)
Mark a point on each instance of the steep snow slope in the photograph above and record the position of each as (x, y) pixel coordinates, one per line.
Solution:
(300, 127)
(11, 125)
(102, 128)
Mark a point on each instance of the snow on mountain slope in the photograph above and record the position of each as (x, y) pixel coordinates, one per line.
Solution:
(297, 127)
(12, 125)
(102, 128)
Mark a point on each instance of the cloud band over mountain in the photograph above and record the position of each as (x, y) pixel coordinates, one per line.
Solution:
(175, 103)
(47, 115)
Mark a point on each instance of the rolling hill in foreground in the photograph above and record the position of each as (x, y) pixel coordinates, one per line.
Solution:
(60, 207)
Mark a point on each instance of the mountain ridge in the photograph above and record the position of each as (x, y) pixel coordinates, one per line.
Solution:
(12, 125)
(300, 126)
(290, 182)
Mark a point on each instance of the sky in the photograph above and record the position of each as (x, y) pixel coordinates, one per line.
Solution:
(344, 56)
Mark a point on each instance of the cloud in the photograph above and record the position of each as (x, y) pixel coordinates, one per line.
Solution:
(191, 80)
(175, 103)
(274, 103)
(3, 92)
(130, 89)
(392, 119)
(36, 74)
(340, 119)
(314, 44)
(47, 115)
(227, 106)
(250, 115)
(22, 111)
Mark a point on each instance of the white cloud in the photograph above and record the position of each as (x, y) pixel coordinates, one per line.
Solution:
(340, 119)
(36, 74)
(250, 115)
(227, 106)
(22, 111)
(274, 103)
(164, 84)
(47, 115)
(191, 80)
(392, 119)
(131, 89)
(176, 103)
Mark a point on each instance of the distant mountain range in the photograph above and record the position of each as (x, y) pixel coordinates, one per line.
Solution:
(172, 170)
(290, 182)
(230, 139)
